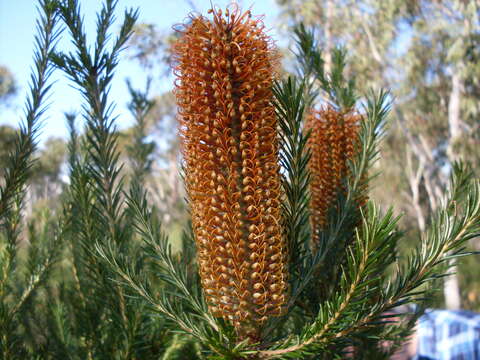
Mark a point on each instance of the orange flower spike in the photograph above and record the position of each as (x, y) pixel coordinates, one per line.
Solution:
(228, 130)
(332, 143)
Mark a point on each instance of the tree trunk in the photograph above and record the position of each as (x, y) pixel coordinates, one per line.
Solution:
(328, 35)
(414, 178)
(451, 288)
(454, 112)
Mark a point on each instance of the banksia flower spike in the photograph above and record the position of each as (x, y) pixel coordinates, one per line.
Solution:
(225, 68)
(332, 142)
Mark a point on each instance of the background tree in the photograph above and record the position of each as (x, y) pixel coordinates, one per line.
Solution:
(7, 142)
(8, 87)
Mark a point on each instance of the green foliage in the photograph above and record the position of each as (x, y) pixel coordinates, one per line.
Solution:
(294, 158)
(18, 287)
(98, 279)
(103, 321)
(340, 91)
(140, 151)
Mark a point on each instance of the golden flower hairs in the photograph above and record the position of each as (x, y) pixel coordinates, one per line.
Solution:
(224, 71)
(332, 141)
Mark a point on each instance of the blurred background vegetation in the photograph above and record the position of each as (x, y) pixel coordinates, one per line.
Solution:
(426, 51)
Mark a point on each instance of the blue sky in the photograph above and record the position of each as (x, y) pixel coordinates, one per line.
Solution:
(17, 30)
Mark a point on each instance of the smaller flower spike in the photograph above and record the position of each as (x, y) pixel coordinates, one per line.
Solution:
(332, 141)
(225, 68)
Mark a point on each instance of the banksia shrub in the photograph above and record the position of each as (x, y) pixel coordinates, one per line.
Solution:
(225, 70)
(237, 124)
(332, 142)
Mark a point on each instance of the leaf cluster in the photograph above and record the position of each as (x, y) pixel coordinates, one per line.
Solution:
(339, 90)
(17, 288)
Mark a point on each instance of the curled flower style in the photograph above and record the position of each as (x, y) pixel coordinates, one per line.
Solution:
(332, 142)
(228, 130)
